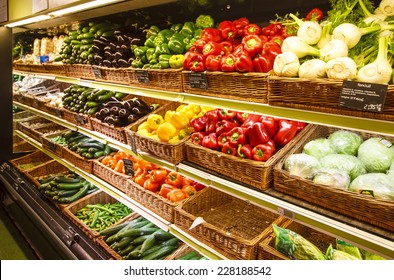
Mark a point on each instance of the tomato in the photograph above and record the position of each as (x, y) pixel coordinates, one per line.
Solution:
(174, 178)
(158, 175)
(189, 190)
(151, 186)
(165, 189)
(176, 195)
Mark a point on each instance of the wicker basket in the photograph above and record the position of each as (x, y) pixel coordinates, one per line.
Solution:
(36, 158)
(251, 87)
(21, 116)
(19, 145)
(119, 133)
(50, 167)
(78, 161)
(320, 95)
(113, 75)
(47, 126)
(116, 179)
(254, 173)
(231, 226)
(173, 153)
(163, 207)
(21, 67)
(94, 198)
(50, 145)
(377, 212)
(266, 249)
(38, 68)
(160, 79)
(83, 71)
(55, 69)
(77, 119)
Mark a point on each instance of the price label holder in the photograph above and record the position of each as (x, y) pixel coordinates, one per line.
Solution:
(52, 146)
(128, 167)
(80, 119)
(133, 147)
(286, 213)
(142, 76)
(58, 113)
(363, 96)
(96, 72)
(198, 80)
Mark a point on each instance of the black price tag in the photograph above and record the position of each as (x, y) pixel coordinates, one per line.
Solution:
(52, 146)
(96, 72)
(58, 113)
(142, 76)
(363, 96)
(133, 147)
(198, 80)
(128, 167)
(80, 119)
(35, 103)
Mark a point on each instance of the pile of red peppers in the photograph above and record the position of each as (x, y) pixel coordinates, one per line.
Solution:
(245, 135)
(236, 46)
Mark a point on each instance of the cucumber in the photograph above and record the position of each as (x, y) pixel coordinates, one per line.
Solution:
(112, 230)
(170, 242)
(163, 235)
(74, 197)
(188, 256)
(148, 243)
(69, 186)
(125, 241)
(126, 250)
(160, 253)
(98, 154)
(134, 254)
(137, 232)
(93, 29)
(140, 239)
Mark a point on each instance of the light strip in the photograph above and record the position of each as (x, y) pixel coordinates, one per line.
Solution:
(81, 7)
(28, 20)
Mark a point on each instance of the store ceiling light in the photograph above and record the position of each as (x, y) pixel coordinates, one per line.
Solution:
(28, 20)
(82, 7)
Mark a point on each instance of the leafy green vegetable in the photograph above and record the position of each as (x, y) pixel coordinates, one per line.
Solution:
(345, 141)
(376, 154)
(333, 178)
(302, 165)
(348, 248)
(351, 164)
(376, 185)
(319, 148)
(334, 254)
(347, 11)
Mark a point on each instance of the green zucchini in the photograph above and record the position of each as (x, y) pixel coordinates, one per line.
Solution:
(189, 255)
(160, 253)
(65, 179)
(65, 193)
(82, 192)
(69, 186)
(135, 232)
(163, 235)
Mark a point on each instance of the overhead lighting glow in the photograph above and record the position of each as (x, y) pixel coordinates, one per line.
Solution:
(81, 7)
(28, 20)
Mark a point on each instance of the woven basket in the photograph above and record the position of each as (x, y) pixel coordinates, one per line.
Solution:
(320, 95)
(78, 161)
(55, 69)
(254, 173)
(77, 119)
(50, 145)
(21, 116)
(173, 153)
(83, 71)
(22, 147)
(113, 75)
(50, 167)
(266, 249)
(163, 207)
(119, 133)
(55, 111)
(38, 68)
(47, 126)
(231, 226)
(251, 87)
(36, 158)
(377, 212)
(160, 79)
(116, 179)
(94, 198)
(21, 67)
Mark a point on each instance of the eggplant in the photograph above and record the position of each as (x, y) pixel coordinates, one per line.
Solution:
(99, 42)
(109, 56)
(132, 118)
(104, 112)
(123, 113)
(96, 49)
(140, 112)
(121, 40)
(107, 63)
(154, 107)
(136, 41)
(104, 40)
(114, 110)
(118, 32)
(98, 58)
(118, 55)
(112, 119)
(112, 46)
(128, 105)
(107, 48)
(115, 63)
(140, 104)
(113, 103)
(123, 63)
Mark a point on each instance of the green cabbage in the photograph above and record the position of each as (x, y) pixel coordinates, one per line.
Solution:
(376, 154)
(348, 248)
(345, 142)
(348, 163)
(377, 185)
(334, 254)
(302, 165)
(319, 148)
(333, 178)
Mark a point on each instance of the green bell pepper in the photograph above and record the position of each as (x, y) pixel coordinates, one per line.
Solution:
(190, 43)
(159, 40)
(164, 61)
(176, 61)
(156, 66)
(162, 49)
(150, 41)
(176, 44)
(150, 53)
(197, 33)
(205, 21)
(167, 33)
(176, 27)
(188, 29)
(152, 31)
(137, 63)
(139, 52)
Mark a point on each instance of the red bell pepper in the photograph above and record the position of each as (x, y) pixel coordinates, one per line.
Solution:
(238, 49)
(252, 28)
(197, 62)
(223, 139)
(228, 30)
(174, 179)
(315, 14)
(240, 25)
(213, 48)
(272, 49)
(212, 62)
(250, 120)
(211, 34)
(237, 136)
(228, 63)
(197, 137)
(244, 151)
(252, 44)
(210, 141)
(257, 134)
(263, 152)
(287, 131)
(272, 29)
(224, 126)
(241, 117)
(300, 125)
(225, 114)
(263, 63)
(199, 45)
(198, 186)
(227, 46)
(198, 124)
(186, 61)
(243, 62)
(277, 39)
(212, 119)
(270, 125)
(229, 149)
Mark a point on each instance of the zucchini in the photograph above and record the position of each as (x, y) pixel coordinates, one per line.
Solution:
(98, 145)
(93, 29)
(148, 243)
(70, 186)
(162, 252)
(135, 232)
(66, 193)
(65, 179)
(74, 197)
(189, 255)
(163, 235)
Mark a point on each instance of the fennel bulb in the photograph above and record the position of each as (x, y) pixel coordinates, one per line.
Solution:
(351, 33)
(334, 49)
(286, 64)
(325, 35)
(313, 68)
(380, 70)
(295, 45)
(309, 31)
(342, 68)
(387, 7)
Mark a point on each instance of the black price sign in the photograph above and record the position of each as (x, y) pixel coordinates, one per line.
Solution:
(96, 72)
(80, 119)
(363, 96)
(198, 80)
(133, 147)
(128, 167)
(58, 113)
(142, 76)
(52, 146)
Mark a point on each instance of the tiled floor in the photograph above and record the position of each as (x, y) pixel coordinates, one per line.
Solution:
(12, 244)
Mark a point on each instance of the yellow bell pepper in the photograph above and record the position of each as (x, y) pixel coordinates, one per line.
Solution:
(166, 131)
(196, 108)
(144, 125)
(167, 116)
(174, 140)
(179, 120)
(188, 111)
(180, 107)
(154, 120)
(183, 133)
(205, 109)
(144, 132)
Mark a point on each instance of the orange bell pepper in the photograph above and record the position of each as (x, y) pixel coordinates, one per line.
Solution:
(165, 189)
(158, 175)
(176, 195)
(151, 186)
(189, 190)
(174, 178)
